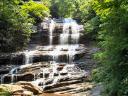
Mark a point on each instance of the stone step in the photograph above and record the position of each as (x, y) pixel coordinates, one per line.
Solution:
(72, 88)
(58, 87)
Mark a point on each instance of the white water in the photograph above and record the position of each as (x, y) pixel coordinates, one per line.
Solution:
(12, 73)
(55, 53)
(71, 52)
(29, 56)
(51, 29)
(64, 37)
(2, 78)
(70, 33)
(28, 60)
(73, 36)
(75, 32)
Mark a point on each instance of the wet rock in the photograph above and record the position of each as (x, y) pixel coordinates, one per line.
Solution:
(63, 73)
(35, 67)
(11, 58)
(4, 71)
(6, 79)
(40, 54)
(5, 59)
(56, 74)
(59, 68)
(9, 78)
(49, 81)
(65, 78)
(25, 77)
(46, 75)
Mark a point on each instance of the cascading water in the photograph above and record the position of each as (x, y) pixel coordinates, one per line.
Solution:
(51, 29)
(13, 72)
(28, 56)
(71, 52)
(75, 32)
(64, 37)
(2, 78)
(68, 43)
(70, 32)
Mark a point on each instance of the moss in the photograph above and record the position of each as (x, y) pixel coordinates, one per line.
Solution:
(4, 91)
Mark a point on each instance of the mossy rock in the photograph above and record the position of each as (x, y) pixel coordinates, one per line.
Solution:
(4, 91)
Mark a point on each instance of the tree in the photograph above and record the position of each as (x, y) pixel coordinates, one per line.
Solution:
(36, 10)
(16, 23)
(113, 36)
(63, 8)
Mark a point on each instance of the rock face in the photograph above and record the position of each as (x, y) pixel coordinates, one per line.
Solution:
(11, 58)
(41, 38)
(41, 53)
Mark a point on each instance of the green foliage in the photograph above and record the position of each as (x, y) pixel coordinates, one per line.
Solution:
(92, 26)
(68, 8)
(64, 8)
(85, 11)
(46, 2)
(4, 91)
(88, 18)
(36, 10)
(16, 20)
(14, 29)
(113, 37)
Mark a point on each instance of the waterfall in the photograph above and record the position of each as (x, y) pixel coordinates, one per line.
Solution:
(70, 34)
(75, 28)
(72, 52)
(73, 36)
(51, 29)
(2, 78)
(68, 43)
(13, 74)
(28, 60)
(64, 37)
(28, 56)
(55, 53)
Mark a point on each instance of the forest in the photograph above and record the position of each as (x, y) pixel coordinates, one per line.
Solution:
(105, 22)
